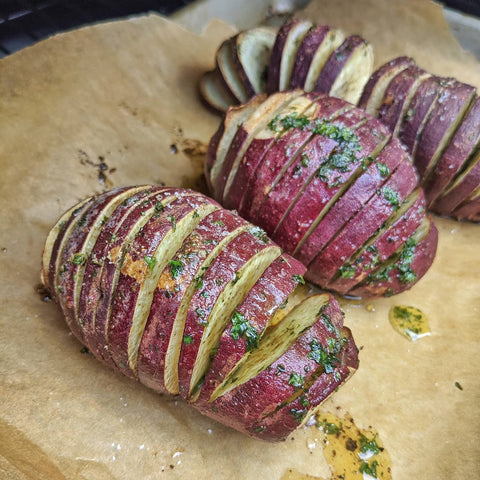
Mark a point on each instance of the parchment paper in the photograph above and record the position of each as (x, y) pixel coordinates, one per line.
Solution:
(116, 104)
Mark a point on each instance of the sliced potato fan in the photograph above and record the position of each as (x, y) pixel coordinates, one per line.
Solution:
(298, 55)
(168, 288)
(328, 184)
(437, 119)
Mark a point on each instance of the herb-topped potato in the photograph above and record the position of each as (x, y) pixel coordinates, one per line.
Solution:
(167, 287)
(329, 184)
(437, 119)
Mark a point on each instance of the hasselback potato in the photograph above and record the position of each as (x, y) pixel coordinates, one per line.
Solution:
(329, 184)
(165, 286)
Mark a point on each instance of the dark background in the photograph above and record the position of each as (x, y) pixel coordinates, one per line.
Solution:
(23, 22)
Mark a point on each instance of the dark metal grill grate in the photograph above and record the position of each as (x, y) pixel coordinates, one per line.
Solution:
(24, 22)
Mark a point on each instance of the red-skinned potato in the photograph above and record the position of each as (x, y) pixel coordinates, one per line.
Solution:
(382, 245)
(299, 55)
(460, 152)
(154, 247)
(295, 376)
(312, 42)
(437, 119)
(346, 160)
(364, 224)
(398, 94)
(374, 90)
(418, 113)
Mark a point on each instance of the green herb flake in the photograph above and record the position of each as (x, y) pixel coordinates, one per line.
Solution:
(296, 380)
(347, 271)
(329, 428)
(391, 196)
(79, 259)
(298, 413)
(383, 169)
(457, 384)
(176, 268)
(369, 468)
(369, 447)
(187, 339)
(326, 356)
(241, 327)
(298, 279)
(150, 261)
(173, 221)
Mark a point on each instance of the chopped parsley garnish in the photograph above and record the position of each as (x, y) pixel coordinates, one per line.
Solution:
(173, 221)
(369, 447)
(290, 121)
(298, 413)
(347, 271)
(241, 328)
(78, 259)
(150, 261)
(329, 428)
(383, 169)
(391, 196)
(187, 339)
(296, 380)
(369, 469)
(406, 274)
(326, 357)
(298, 279)
(176, 268)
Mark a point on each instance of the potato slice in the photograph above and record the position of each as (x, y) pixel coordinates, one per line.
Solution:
(347, 70)
(383, 244)
(418, 112)
(281, 159)
(315, 39)
(142, 265)
(274, 344)
(376, 86)
(447, 114)
(469, 209)
(252, 50)
(265, 303)
(226, 67)
(364, 224)
(52, 249)
(213, 92)
(230, 298)
(404, 269)
(174, 291)
(221, 141)
(462, 188)
(458, 156)
(251, 128)
(398, 96)
(284, 52)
